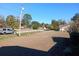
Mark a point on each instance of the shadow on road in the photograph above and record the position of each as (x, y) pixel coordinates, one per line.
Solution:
(20, 51)
(61, 48)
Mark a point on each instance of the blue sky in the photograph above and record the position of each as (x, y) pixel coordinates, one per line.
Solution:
(42, 12)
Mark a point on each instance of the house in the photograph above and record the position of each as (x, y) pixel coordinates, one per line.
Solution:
(45, 26)
(64, 28)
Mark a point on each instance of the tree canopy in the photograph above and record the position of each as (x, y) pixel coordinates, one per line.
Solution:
(75, 23)
(26, 20)
(2, 22)
(75, 17)
(11, 22)
(54, 25)
(61, 22)
(35, 24)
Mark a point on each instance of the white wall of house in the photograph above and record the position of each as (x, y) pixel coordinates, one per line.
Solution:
(65, 28)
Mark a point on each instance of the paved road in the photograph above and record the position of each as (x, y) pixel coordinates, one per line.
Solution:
(40, 41)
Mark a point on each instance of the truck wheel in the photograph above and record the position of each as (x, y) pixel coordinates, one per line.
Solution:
(4, 32)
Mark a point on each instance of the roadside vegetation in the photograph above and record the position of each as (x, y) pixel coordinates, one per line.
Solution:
(13, 22)
(6, 37)
(27, 22)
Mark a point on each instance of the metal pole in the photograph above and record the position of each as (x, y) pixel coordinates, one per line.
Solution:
(20, 21)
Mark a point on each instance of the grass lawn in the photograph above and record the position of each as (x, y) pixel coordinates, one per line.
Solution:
(6, 37)
(12, 36)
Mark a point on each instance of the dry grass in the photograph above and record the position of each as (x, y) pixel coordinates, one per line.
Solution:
(12, 36)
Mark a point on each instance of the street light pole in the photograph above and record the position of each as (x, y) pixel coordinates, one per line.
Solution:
(21, 14)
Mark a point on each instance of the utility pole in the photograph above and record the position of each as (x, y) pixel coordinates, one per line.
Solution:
(21, 16)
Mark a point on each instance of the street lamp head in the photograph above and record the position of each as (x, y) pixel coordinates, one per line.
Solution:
(22, 8)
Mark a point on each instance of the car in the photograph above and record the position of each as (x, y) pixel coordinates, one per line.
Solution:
(6, 31)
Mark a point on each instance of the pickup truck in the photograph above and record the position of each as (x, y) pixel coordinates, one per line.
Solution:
(6, 31)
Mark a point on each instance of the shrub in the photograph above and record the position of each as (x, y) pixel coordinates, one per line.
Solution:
(34, 26)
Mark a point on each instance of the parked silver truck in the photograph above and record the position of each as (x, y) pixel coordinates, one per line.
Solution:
(6, 31)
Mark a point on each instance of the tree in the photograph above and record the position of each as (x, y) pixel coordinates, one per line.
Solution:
(26, 21)
(61, 22)
(42, 24)
(74, 26)
(12, 22)
(54, 25)
(75, 17)
(2, 22)
(35, 24)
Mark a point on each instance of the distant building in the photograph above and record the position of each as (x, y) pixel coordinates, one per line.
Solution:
(64, 28)
(45, 27)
